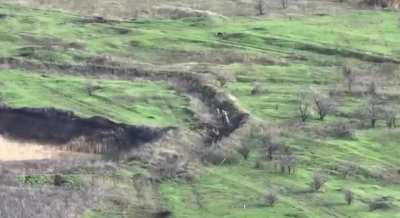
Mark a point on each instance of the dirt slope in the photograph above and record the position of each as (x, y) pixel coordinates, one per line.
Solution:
(21, 151)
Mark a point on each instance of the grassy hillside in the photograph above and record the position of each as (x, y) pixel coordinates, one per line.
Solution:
(145, 8)
(137, 102)
(282, 57)
(61, 37)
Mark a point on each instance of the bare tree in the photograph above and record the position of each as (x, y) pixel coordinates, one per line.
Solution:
(224, 77)
(373, 111)
(340, 130)
(244, 150)
(288, 163)
(348, 197)
(284, 4)
(390, 115)
(318, 181)
(303, 106)
(348, 169)
(257, 89)
(270, 198)
(91, 87)
(372, 89)
(261, 7)
(349, 77)
(216, 154)
(323, 105)
(272, 147)
(271, 143)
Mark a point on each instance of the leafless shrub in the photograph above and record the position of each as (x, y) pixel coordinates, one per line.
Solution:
(323, 105)
(266, 137)
(348, 196)
(390, 116)
(259, 164)
(257, 89)
(261, 7)
(91, 87)
(59, 180)
(334, 90)
(341, 130)
(271, 148)
(389, 69)
(287, 163)
(218, 155)
(376, 3)
(348, 169)
(318, 181)
(99, 60)
(303, 106)
(373, 111)
(284, 3)
(270, 140)
(380, 204)
(225, 77)
(244, 150)
(270, 198)
(349, 77)
(169, 167)
(372, 89)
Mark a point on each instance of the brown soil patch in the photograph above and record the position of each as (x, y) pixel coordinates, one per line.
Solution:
(21, 151)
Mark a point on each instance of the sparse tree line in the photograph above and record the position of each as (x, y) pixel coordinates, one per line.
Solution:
(262, 6)
(276, 152)
(320, 103)
(282, 159)
(376, 107)
(318, 181)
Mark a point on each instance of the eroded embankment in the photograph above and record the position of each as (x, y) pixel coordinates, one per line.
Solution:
(228, 113)
(66, 131)
(13, 150)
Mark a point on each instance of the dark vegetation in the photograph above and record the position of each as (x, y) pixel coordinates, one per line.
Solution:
(63, 129)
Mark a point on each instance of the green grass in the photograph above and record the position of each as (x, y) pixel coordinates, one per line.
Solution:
(375, 32)
(137, 102)
(237, 191)
(297, 46)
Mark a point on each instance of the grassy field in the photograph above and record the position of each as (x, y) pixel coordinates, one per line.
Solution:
(134, 102)
(52, 36)
(283, 56)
